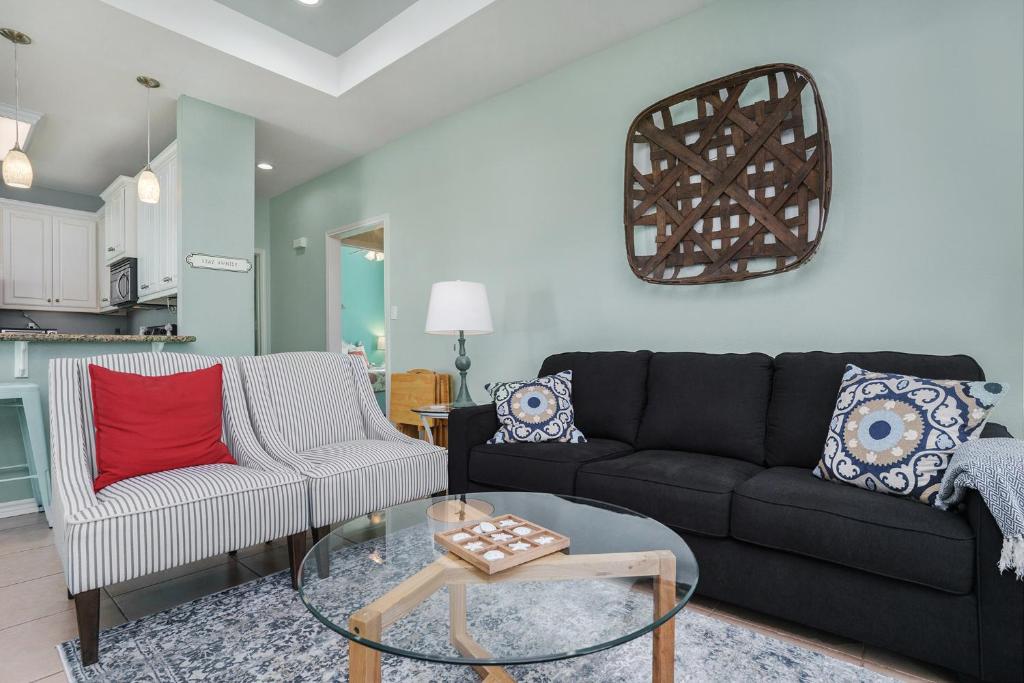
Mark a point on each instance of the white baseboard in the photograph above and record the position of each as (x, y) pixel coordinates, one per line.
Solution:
(14, 508)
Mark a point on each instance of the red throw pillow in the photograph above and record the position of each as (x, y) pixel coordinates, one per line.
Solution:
(153, 424)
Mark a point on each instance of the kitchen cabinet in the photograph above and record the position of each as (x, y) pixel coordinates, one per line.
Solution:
(48, 257)
(120, 210)
(74, 271)
(158, 228)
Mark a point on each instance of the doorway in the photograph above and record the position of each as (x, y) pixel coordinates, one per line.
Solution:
(358, 299)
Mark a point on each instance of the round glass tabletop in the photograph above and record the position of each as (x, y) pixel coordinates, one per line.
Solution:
(384, 581)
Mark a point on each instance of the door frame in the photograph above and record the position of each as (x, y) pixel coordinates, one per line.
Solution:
(333, 238)
(262, 281)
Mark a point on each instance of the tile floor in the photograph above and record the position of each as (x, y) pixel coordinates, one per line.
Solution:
(35, 613)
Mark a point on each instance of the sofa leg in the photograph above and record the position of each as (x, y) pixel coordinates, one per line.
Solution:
(323, 552)
(232, 553)
(87, 609)
(296, 553)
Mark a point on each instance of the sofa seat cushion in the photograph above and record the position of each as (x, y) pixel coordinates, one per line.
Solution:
(688, 491)
(352, 478)
(787, 508)
(548, 467)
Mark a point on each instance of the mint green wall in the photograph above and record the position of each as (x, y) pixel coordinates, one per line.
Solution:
(362, 294)
(217, 159)
(923, 251)
(39, 355)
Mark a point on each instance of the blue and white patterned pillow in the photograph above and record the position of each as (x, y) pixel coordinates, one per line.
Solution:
(896, 433)
(535, 410)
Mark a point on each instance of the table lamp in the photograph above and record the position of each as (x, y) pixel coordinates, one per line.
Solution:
(461, 308)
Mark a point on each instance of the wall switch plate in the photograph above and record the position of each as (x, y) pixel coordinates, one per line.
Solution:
(394, 312)
(299, 243)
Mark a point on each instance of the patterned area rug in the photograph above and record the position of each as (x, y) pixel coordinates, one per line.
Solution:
(261, 631)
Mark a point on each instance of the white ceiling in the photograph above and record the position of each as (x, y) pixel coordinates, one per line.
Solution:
(314, 111)
(332, 27)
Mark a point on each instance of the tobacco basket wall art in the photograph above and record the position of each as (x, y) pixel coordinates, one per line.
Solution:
(728, 180)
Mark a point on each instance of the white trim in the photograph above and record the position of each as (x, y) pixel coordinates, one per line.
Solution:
(332, 268)
(73, 213)
(14, 508)
(263, 298)
(222, 28)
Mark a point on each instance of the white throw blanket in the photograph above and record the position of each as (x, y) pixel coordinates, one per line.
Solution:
(995, 469)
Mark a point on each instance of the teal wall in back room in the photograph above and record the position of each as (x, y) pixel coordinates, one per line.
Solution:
(362, 293)
(923, 251)
(217, 159)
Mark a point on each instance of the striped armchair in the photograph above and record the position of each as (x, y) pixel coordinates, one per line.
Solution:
(157, 521)
(316, 413)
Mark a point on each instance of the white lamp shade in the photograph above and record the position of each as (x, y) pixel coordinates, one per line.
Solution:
(458, 306)
(149, 187)
(17, 169)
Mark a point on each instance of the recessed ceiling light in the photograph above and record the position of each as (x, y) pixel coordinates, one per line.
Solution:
(265, 166)
(309, 3)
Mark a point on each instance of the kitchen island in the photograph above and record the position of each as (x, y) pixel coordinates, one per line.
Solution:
(21, 340)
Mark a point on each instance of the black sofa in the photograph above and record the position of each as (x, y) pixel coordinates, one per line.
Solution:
(720, 448)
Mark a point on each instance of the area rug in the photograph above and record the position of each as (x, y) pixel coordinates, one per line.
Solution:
(261, 631)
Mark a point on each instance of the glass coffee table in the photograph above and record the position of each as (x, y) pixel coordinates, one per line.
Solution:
(384, 583)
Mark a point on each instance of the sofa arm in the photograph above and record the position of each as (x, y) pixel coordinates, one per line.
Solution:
(467, 427)
(1000, 596)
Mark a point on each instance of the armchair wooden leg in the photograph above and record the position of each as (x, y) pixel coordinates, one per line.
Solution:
(87, 609)
(323, 552)
(296, 551)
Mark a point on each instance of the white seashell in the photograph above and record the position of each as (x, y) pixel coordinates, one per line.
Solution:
(518, 546)
(474, 546)
(507, 522)
(484, 528)
(502, 537)
(461, 536)
(522, 531)
(492, 555)
(544, 540)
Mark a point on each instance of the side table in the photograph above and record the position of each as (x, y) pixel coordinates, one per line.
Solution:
(437, 411)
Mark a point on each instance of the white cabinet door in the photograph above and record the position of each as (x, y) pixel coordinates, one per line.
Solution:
(148, 243)
(74, 270)
(115, 225)
(28, 258)
(171, 214)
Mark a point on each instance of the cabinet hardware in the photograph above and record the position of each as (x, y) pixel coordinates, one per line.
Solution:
(104, 300)
(110, 249)
(144, 287)
(58, 301)
(167, 279)
(49, 301)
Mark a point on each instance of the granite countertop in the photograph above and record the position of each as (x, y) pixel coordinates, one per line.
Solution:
(95, 338)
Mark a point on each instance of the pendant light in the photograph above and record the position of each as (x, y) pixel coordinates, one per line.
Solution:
(148, 185)
(17, 168)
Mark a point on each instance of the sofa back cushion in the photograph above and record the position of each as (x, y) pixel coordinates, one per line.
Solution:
(609, 390)
(707, 403)
(806, 386)
(309, 397)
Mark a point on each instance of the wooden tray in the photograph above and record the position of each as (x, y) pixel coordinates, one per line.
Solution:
(476, 543)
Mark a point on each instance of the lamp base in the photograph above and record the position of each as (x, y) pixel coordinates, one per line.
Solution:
(462, 363)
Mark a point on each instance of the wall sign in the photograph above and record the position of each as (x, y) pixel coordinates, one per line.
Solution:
(728, 180)
(234, 265)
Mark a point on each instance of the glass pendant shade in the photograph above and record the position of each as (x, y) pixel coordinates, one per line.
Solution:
(17, 169)
(149, 187)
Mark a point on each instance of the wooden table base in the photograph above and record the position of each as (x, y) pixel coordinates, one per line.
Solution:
(454, 574)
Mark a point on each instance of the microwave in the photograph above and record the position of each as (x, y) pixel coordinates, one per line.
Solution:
(124, 282)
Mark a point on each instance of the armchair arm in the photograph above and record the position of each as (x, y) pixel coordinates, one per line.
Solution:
(467, 427)
(71, 471)
(1000, 596)
(238, 429)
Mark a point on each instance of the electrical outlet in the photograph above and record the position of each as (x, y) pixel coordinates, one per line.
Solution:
(394, 312)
